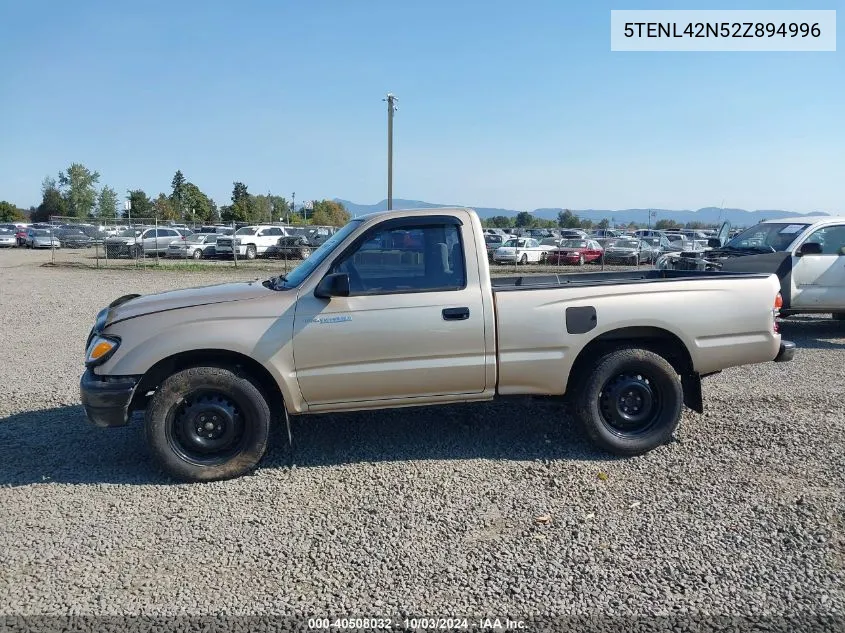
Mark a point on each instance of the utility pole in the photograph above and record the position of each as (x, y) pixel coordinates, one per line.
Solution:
(391, 108)
(292, 205)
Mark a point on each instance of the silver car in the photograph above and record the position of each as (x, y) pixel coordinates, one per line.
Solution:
(41, 238)
(196, 246)
(7, 238)
(139, 241)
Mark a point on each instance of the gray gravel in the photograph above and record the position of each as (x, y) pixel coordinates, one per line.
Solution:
(427, 512)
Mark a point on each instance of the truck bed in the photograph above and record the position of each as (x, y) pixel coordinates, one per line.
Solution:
(603, 278)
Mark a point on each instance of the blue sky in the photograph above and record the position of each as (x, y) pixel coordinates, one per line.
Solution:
(502, 103)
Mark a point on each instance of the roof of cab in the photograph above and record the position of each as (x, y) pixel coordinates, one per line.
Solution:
(400, 212)
(806, 219)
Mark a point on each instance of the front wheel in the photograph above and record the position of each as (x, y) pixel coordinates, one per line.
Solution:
(580, 260)
(197, 253)
(630, 401)
(251, 252)
(524, 259)
(206, 424)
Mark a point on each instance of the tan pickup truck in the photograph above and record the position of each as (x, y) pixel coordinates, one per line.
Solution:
(398, 309)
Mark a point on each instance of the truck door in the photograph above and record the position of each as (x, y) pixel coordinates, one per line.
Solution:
(818, 280)
(412, 325)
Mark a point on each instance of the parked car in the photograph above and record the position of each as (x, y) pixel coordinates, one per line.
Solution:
(349, 329)
(291, 247)
(493, 241)
(138, 242)
(20, 235)
(630, 251)
(520, 250)
(250, 241)
(7, 238)
(196, 246)
(41, 238)
(578, 252)
(73, 238)
(806, 253)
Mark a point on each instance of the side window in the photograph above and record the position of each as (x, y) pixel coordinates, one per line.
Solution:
(148, 234)
(276, 231)
(406, 259)
(830, 238)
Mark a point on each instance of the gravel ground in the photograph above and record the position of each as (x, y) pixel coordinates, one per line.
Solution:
(427, 512)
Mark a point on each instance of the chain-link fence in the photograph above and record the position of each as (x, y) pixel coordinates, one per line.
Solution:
(143, 242)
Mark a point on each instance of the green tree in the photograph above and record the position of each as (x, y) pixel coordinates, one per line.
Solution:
(78, 185)
(9, 212)
(198, 206)
(665, 223)
(107, 203)
(328, 213)
(500, 222)
(52, 202)
(164, 209)
(568, 220)
(524, 220)
(604, 223)
(141, 205)
(177, 197)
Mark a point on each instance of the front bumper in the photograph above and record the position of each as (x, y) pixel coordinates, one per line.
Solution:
(106, 402)
(786, 352)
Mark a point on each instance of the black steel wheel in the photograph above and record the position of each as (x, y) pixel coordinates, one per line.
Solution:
(629, 400)
(207, 423)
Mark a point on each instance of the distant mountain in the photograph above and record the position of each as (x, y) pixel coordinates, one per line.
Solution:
(708, 215)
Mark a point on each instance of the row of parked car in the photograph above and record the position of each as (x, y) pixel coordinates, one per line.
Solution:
(575, 246)
(178, 241)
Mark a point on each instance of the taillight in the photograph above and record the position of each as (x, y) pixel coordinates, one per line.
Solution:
(776, 312)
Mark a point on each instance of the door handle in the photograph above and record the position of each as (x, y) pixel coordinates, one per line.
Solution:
(455, 314)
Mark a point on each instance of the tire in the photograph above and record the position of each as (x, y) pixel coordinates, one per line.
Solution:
(631, 373)
(580, 260)
(304, 253)
(190, 396)
(524, 259)
(251, 253)
(197, 254)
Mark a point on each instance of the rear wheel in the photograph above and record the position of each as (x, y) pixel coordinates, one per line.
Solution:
(207, 423)
(524, 259)
(580, 260)
(251, 252)
(630, 401)
(197, 253)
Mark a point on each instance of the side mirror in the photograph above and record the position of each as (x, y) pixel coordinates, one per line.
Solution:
(810, 248)
(714, 242)
(333, 285)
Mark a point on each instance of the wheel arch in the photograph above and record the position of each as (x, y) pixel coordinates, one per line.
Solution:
(227, 359)
(655, 339)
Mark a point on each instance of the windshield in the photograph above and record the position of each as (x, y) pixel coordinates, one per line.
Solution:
(298, 274)
(626, 244)
(197, 238)
(514, 243)
(574, 244)
(247, 230)
(41, 233)
(129, 233)
(771, 235)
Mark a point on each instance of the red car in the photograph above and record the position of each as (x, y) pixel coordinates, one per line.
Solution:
(575, 252)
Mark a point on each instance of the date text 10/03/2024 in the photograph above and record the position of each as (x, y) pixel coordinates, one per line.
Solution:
(721, 29)
(422, 623)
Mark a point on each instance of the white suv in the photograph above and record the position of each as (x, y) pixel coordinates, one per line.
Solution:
(251, 241)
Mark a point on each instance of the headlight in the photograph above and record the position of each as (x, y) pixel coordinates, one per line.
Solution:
(100, 349)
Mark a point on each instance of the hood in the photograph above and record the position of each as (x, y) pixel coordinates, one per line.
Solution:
(186, 298)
